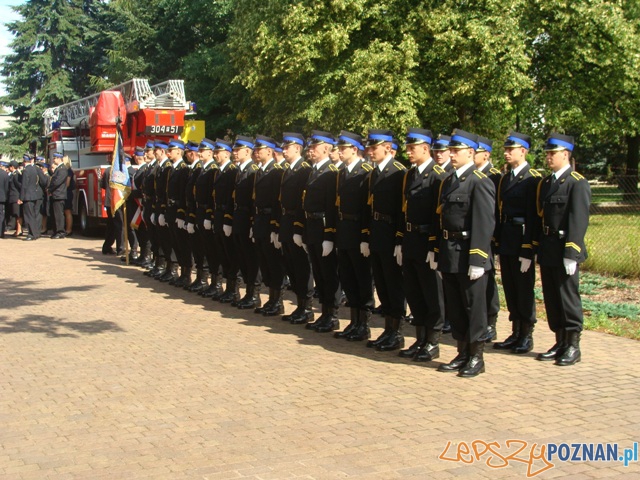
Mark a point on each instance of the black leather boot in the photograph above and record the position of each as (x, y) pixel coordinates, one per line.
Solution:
(431, 350)
(395, 340)
(525, 340)
(251, 298)
(160, 269)
(184, 279)
(557, 350)
(306, 312)
(571, 354)
(492, 333)
(362, 330)
(268, 303)
(200, 283)
(421, 340)
(353, 324)
(383, 336)
(171, 273)
(331, 321)
(319, 321)
(475, 365)
(231, 294)
(297, 312)
(459, 361)
(512, 339)
(277, 307)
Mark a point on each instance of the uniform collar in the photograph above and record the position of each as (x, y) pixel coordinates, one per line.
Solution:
(464, 168)
(560, 172)
(321, 163)
(421, 168)
(516, 171)
(383, 164)
(244, 164)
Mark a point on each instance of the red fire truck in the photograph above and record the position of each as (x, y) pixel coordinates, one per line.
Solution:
(85, 131)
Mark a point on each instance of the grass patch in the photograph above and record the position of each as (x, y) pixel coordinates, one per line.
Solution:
(606, 194)
(612, 245)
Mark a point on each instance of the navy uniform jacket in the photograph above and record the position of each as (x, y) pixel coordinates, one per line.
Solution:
(149, 186)
(242, 215)
(517, 221)
(319, 203)
(203, 192)
(385, 201)
(353, 209)
(224, 184)
(4, 186)
(564, 209)
(15, 185)
(33, 182)
(289, 218)
(176, 187)
(195, 170)
(161, 182)
(58, 183)
(266, 193)
(138, 180)
(420, 202)
(467, 221)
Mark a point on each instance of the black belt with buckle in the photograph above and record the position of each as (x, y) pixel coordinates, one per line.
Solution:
(241, 208)
(447, 235)
(415, 227)
(516, 221)
(263, 211)
(314, 215)
(288, 212)
(349, 216)
(548, 232)
(382, 217)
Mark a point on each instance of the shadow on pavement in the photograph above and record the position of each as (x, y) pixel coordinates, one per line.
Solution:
(56, 327)
(27, 293)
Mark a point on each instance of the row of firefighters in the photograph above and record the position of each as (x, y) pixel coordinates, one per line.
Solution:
(343, 214)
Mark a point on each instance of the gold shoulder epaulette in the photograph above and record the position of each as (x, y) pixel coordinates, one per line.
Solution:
(479, 174)
(494, 170)
(438, 169)
(277, 166)
(399, 166)
(305, 165)
(255, 167)
(577, 176)
(287, 164)
(366, 167)
(333, 168)
(535, 173)
(232, 166)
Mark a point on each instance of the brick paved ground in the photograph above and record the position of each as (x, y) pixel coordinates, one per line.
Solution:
(108, 374)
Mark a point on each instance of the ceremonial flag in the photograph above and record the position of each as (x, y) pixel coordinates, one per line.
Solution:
(119, 180)
(137, 217)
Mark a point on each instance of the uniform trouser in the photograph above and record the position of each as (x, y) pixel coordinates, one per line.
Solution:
(114, 231)
(132, 236)
(493, 299)
(152, 237)
(247, 259)
(562, 298)
(209, 248)
(325, 271)
(3, 225)
(355, 277)
(33, 217)
(196, 245)
(387, 276)
(165, 241)
(423, 287)
(57, 207)
(518, 289)
(271, 263)
(179, 242)
(225, 255)
(466, 304)
(298, 268)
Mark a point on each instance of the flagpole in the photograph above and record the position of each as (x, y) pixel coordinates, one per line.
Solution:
(126, 234)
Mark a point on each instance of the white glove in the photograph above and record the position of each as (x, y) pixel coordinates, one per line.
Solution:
(153, 218)
(276, 241)
(272, 237)
(327, 248)
(525, 263)
(397, 252)
(475, 272)
(161, 220)
(207, 224)
(180, 223)
(297, 239)
(227, 230)
(251, 232)
(569, 266)
(191, 228)
(364, 249)
(431, 260)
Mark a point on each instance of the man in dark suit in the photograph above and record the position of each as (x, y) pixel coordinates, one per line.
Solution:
(4, 195)
(157, 263)
(58, 192)
(135, 200)
(266, 192)
(290, 220)
(354, 265)
(319, 203)
(467, 221)
(31, 194)
(385, 203)
(161, 181)
(191, 226)
(483, 164)
(563, 203)
(517, 227)
(422, 284)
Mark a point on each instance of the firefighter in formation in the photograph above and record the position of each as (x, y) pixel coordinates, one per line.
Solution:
(340, 213)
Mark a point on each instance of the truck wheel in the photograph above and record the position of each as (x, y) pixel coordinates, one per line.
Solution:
(84, 219)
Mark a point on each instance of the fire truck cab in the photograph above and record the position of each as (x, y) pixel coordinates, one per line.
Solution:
(85, 130)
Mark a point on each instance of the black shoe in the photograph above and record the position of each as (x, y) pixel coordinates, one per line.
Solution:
(556, 351)
(106, 251)
(353, 324)
(571, 354)
(29, 238)
(525, 340)
(429, 352)
(447, 327)
(330, 323)
(421, 340)
(475, 365)
(459, 361)
(512, 340)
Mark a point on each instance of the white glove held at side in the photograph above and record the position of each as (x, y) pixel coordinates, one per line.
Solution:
(569, 266)
(327, 248)
(475, 272)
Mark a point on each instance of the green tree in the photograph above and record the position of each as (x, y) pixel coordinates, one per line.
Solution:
(55, 49)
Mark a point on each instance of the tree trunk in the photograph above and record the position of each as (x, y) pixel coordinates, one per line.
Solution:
(629, 183)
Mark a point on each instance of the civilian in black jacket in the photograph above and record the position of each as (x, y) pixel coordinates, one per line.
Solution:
(58, 191)
(31, 194)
